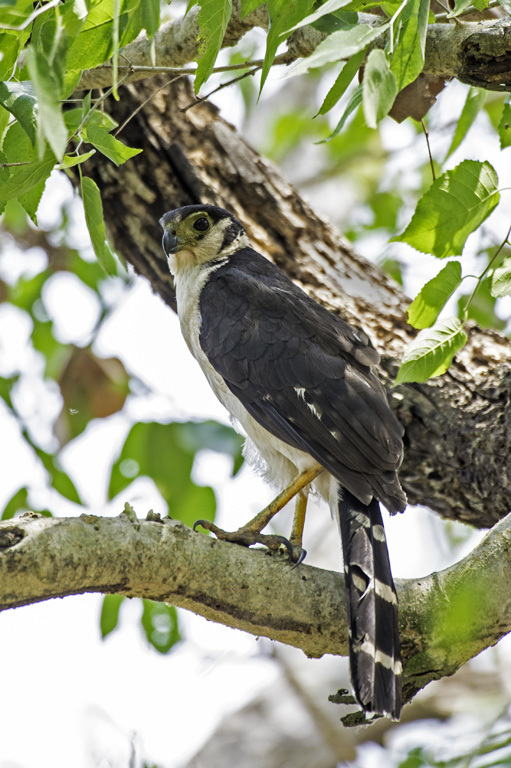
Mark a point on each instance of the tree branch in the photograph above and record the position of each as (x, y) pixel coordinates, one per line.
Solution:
(442, 620)
(458, 426)
(478, 53)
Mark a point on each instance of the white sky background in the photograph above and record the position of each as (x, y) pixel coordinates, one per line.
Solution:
(66, 697)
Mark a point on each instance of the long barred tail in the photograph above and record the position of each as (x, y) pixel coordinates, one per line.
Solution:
(375, 656)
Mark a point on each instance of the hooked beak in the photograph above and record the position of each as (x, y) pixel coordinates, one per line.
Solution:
(171, 243)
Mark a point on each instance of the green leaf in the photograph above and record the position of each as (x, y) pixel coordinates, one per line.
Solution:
(115, 150)
(157, 451)
(473, 105)
(14, 13)
(94, 45)
(425, 308)
(69, 161)
(247, 6)
(283, 14)
(150, 10)
(343, 80)
(49, 117)
(333, 22)
(199, 501)
(73, 15)
(329, 7)
(353, 104)
(110, 609)
(505, 124)
(60, 480)
(24, 182)
(166, 453)
(501, 279)
(4, 122)
(339, 45)
(212, 436)
(379, 88)
(408, 55)
(160, 624)
(93, 208)
(462, 5)
(482, 307)
(11, 44)
(453, 207)
(20, 100)
(213, 18)
(15, 503)
(74, 117)
(50, 42)
(431, 353)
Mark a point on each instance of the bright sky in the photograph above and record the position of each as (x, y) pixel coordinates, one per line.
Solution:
(67, 698)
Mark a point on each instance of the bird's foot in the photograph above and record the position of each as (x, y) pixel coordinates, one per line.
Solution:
(247, 536)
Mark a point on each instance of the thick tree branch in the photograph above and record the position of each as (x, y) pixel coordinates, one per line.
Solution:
(478, 53)
(445, 619)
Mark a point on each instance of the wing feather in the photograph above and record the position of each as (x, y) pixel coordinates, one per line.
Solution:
(302, 373)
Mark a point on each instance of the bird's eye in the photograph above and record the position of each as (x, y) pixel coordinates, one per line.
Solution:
(201, 225)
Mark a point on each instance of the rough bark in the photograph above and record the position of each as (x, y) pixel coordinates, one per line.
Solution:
(458, 426)
(41, 558)
(478, 53)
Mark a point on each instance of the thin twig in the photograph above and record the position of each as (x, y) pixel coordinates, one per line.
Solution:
(426, 134)
(219, 88)
(485, 270)
(141, 106)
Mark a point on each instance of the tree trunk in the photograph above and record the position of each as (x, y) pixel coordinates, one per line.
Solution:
(458, 426)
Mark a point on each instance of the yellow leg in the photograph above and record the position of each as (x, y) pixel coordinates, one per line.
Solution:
(250, 533)
(299, 518)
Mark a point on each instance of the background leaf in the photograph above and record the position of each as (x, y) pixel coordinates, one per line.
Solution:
(24, 182)
(160, 624)
(501, 279)
(431, 353)
(108, 145)
(379, 88)
(339, 45)
(50, 122)
(342, 82)
(473, 105)
(93, 208)
(505, 125)
(110, 609)
(20, 100)
(283, 15)
(408, 56)
(425, 308)
(212, 20)
(453, 207)
(329, 7)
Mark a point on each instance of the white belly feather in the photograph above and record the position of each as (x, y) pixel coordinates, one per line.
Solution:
(281, 462)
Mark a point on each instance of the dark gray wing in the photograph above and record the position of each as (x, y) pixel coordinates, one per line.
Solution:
(303, 374)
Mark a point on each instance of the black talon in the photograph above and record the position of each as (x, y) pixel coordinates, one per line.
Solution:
(301, 557)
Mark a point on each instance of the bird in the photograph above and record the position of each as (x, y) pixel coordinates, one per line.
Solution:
(300, 382)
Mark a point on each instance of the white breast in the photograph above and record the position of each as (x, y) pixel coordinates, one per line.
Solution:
(281, 462)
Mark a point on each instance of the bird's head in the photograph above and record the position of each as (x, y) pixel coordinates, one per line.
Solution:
(196, 234)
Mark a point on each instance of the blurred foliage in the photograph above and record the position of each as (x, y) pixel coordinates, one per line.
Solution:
(91, 387)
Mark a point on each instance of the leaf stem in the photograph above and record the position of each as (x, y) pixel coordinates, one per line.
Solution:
(426, 134)
(222, 85)
(485, 270)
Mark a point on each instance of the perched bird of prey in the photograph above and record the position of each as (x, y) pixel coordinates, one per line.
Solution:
(301, 383)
